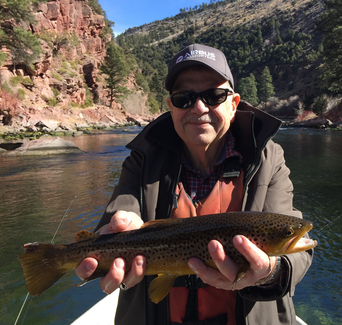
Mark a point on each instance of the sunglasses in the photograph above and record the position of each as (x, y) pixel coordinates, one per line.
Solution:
(211, 97)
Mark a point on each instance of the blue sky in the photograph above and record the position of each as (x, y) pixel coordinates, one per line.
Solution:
(133, 13)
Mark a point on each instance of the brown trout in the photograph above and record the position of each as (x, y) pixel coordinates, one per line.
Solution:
(167, 245)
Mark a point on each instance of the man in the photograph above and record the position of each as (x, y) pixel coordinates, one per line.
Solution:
(211, 153)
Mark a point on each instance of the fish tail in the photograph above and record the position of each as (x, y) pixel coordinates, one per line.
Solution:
(42, 267)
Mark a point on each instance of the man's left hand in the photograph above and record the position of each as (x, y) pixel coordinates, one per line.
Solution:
(260, 265)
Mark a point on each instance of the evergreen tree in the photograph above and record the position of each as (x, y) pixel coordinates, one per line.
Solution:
(247, 88)
(266, 89)
(157, 86)
(114, 67)
(332, 46)
(23, 45)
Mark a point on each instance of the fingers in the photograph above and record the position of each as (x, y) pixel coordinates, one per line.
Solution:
(225, 274)
(258, 260)
(121, 221)
(116, 274)
(223, 262)
(86, 268)
(137, 272)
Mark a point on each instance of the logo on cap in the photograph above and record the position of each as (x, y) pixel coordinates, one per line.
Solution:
(179, 59)
(196, 54)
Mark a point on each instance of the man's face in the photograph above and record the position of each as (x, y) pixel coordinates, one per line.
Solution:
(202, 125)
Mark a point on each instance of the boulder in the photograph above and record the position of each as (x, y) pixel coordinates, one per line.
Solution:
(44, 146)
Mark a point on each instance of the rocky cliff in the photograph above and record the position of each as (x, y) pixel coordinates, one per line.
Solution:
(66, 76)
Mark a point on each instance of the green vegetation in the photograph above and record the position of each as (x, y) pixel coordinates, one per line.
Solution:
(23, 45)
(53, 101)
(21, 94)
(57, 76)
(247, 88)
(320, 105)
(56, 92)
(331, 25)
(116, 69)
(16, 80)
(249, 49)
(89, 98)
(266, 89)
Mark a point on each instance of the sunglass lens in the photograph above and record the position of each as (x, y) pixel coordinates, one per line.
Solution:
(214, 96)
(183, 99)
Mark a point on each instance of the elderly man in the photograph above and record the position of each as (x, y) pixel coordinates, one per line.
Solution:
(211, 153)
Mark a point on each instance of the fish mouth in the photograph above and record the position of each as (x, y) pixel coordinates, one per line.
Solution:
(299, 244)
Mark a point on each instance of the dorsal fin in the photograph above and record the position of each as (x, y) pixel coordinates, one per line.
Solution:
(161, 223)
(84, 235)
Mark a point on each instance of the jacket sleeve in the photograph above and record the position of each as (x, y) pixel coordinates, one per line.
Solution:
(126, 195)
(271, 190)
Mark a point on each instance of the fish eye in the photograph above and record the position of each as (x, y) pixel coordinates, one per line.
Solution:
(288, 232)
(300, 225)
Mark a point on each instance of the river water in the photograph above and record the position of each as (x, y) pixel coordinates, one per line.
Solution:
(35, 193)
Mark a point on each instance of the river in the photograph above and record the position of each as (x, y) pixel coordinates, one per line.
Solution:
(35, 193)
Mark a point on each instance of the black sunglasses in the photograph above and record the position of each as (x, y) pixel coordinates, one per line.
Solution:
(212, 97)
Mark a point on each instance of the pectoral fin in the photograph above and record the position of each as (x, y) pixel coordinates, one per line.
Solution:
(160, 287)
(242, 271)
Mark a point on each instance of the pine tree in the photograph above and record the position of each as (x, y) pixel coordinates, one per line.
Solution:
(332, 46)
(157, 86)
(23, 45)
(247, 88)
(266, 89)
(114, 67)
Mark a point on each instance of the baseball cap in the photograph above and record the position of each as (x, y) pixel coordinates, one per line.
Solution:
(198, 54)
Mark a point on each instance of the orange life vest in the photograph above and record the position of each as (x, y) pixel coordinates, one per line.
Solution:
(211, 302)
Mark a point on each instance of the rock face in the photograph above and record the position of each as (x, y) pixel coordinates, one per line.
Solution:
(73, 16)
(72, 40)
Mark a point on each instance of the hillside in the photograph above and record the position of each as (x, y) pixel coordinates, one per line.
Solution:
(279, 34)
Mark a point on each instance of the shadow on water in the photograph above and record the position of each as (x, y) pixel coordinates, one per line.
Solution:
(36, 191)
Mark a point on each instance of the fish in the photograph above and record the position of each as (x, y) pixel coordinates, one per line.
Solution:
(167, 245)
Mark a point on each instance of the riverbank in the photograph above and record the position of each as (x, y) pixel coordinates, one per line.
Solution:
(315, 123)
(35, 123)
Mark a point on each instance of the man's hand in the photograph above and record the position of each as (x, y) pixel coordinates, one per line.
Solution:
(121, 221)
(260, 265)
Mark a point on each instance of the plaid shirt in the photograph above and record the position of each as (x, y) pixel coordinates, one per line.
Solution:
(198, 184)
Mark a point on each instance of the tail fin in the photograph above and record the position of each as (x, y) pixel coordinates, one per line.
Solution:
(42, 266)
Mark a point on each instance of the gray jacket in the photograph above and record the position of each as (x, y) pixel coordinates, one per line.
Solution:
(146, 186)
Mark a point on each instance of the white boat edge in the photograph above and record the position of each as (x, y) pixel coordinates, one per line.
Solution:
(103, 312)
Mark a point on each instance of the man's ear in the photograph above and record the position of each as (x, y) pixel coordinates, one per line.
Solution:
(235, 103)
(168, 100)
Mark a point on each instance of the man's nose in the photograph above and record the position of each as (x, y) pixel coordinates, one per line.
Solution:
(200, 107)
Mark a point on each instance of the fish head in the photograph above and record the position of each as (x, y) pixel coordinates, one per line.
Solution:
(285, 236)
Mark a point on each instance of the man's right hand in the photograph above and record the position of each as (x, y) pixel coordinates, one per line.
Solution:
(121, 221)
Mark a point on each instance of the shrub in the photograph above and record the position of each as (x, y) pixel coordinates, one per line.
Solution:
(57, 76)
(21, 94)
(16, 80)
(320, 105)
(53, 101)
(56, 92)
